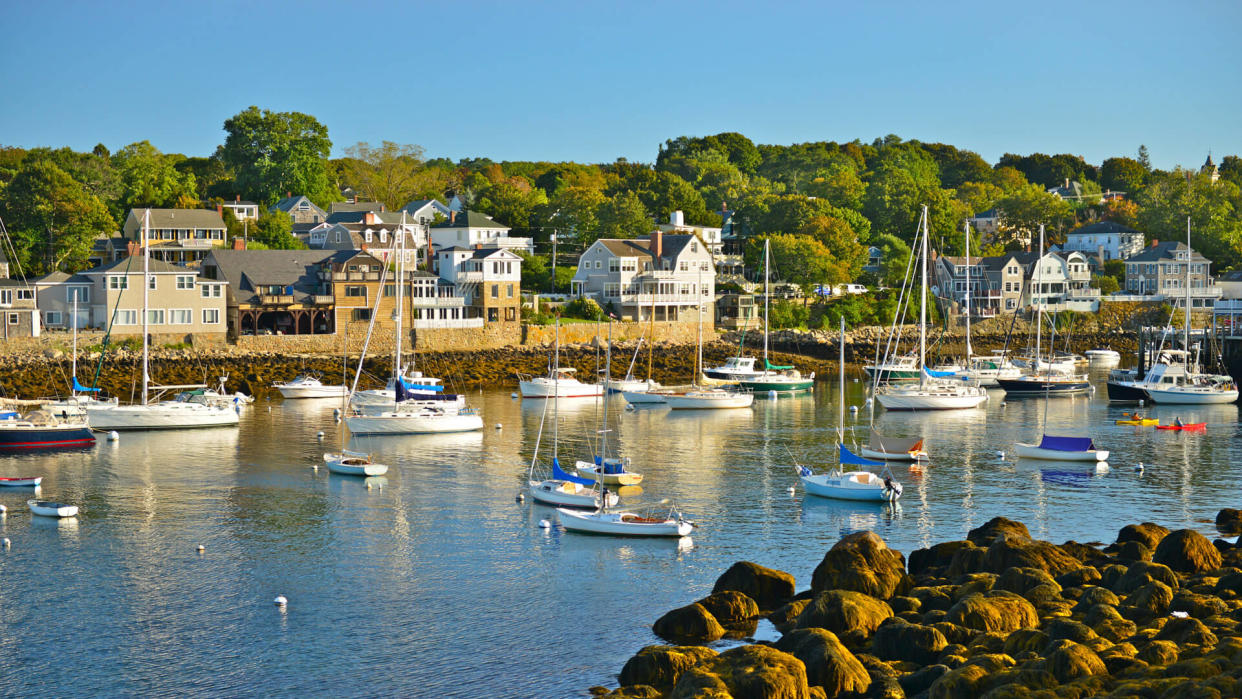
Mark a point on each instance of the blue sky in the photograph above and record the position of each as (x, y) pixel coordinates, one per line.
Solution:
(593, 81)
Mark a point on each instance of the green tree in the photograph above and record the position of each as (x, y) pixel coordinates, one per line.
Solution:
(1027, 208)
(895, 258)
(979, 196)
(840, 185)
(536, 275)
(1106, 284)
(272, 153)
(839, 238)
(52, 218)
(150, 178)
(512, 201)
(275, 231)
(574, 210)
(387, 172)
(797, 259)
(1170, 197)
(211, 177)
(623, 216)
(1122, 175)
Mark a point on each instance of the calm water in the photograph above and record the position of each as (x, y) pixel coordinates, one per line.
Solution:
(438, 584)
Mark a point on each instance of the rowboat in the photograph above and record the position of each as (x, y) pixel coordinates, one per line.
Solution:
(1062, 449)
(21, 482)
(353, 463)
(47, 508)
(1188, 427)
(624, 523)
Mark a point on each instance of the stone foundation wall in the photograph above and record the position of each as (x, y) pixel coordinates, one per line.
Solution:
(669, 332)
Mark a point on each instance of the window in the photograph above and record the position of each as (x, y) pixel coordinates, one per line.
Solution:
(510, 314)
(338, 236)
(126, 316)
(694, 246)
(493, 314)
(683, 266)
(53, 318)
(180, 316)
(614, 265)
(390, 290)
(356, 291)
(383, 236)
(211, 291)
(585, 264)
(510, 291)
(705, 266)
(361, 314)
(6, 297)
(495, 291)
(185, 281)
(14, 319)
(368, 235)
(597, 264)
(151, 282)
(211, 316)
(118, 283)
(155, 316)
(82, 294)
(25, 294)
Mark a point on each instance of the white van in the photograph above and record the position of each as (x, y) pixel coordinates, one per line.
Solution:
(850, 289)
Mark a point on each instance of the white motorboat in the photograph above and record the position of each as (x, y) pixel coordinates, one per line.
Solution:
(901, 368)
(561, 383)
(40, 429)
(353, 463)
(1173, 384)
(644, 397)
(419, 419)
(703, 398)
(733, 370)
(625, 523)
(309, 386)
(47, 508)
(1053, 448)
(1103, 357)
(166, 415)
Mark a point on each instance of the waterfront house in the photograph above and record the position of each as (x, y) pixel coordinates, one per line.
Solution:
(430, 302)
(177, 236)
(274, 292)
(994, 285)
(672, 274)
(710, 235)
(425, 211)
(182, 304)
(737, 311)
(375, 232)
(1159, 272)
(1059, 281)
(488, 278)
(18, 303)
(986, 223)
(242, 210)
(1107, 239)
(300, 209)
(470, 229)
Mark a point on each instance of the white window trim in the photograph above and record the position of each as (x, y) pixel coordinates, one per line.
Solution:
(189, 314)
(181, 279)
(54, 318)
(160, 313)
(206, 321)
(123, 313)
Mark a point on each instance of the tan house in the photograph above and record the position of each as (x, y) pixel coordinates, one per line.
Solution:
(18, 304)
(177, 236)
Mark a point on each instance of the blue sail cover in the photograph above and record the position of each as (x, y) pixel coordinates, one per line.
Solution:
(1079, 444)
(79, 388)
(849, 458)
(559, 475)
(420, 387)
(939, 374)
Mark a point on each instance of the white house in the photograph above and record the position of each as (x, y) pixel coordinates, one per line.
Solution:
(243, 210)
(709, 235)
(489, 279)
(1111, 240)
(671, 275)
(1060, 281)
(469, 229)
(425, 211)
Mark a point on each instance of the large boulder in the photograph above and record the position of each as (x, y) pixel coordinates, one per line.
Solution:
(995, 528)
(922, 679)
(785, 619)
(769, 588)
(1021, 581)
(852, 616)
(1139, 574)
(746, 672)
(994, 611)
(1151, 600)
(1011, 551)
(897, 639)
(688, 625)
(829, 664)
(1187, 551)
(736, 612)
(970, 679)
(1184, 631)
(1147, 534)
(1159, 653)
(1229, 521)
(935, 558)
(660, 666)
(1068, 661)
(862, 562)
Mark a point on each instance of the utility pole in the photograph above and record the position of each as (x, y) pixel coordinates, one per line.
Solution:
(554, 236)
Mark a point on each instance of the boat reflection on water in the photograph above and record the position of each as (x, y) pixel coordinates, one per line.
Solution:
(65, 526)
(848, 516)
(1069, 474)
(418, 447)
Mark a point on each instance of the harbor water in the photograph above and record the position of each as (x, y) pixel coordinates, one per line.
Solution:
(433, 581)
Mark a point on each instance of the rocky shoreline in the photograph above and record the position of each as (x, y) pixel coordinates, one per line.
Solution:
(1001, 615)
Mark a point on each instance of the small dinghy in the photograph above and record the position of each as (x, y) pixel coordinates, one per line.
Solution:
(671, 524)
(353, 463)
(47, 508)
(1053, 448)
(21, 482)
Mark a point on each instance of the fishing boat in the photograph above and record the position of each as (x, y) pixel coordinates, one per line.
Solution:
(308, 386)
(1053, 448)
(848, 485)
(670, 524)
(21, 482)
(353, 463)
(159, 415)
(41, 429)
(1129, 385)
(782, 379)
(48, 508)
(936, 390)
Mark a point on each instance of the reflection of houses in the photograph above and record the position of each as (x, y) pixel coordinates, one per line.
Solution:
(180, 301)
(1160, 272)
(178, 236)
(470, 229)
(275, 292)
(737, 311)
(671, 273)
(489, 279)
(1107, 239)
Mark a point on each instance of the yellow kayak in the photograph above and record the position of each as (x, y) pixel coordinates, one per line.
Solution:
(1143, 422)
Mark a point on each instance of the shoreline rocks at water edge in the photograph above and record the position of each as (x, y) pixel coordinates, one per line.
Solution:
(1000, 615)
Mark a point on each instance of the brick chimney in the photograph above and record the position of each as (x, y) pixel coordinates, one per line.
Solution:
(355, 198)
(369, 218)
(132, 248)
(657, 244)
(239, 243)
(238, 199)
(288, 195)
(220, 209)
(452, 217)
(1154, 242)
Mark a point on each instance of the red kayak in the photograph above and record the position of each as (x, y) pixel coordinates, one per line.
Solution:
(1188, 427)
(18, 482)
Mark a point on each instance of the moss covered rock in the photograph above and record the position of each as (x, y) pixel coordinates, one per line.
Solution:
(1229, 521)
(736, 612)
(1022, 580)
(995, 611)
(829, 664)
(1086, 575)
(1139, 574)
(634, 691)
(1068, 661)
(689, 624)
(747, 672)
(768, 587)
(660, 666)
(895, 639)
(935, 558)
(852, 616)
(1147, 534)
(785, 619)
(1197, 605)
(1158, 653)
(995, 528)
(939, 597)
(1187, 631)
(862, 562)
(1187, 551)
(1016, 552)
(1151, 599)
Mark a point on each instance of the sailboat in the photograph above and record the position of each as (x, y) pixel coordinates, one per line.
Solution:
(848, 485)
(931, 393)
(562, 488)
(784, 379)
(699, 397)
(981, 369)
(346, 462)
(164, 414)
(1048, 383)
(411, 414)
(1176, 384)
(80, 396)
(609, 470)
(1060, 448)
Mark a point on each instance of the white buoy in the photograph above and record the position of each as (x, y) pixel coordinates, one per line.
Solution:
(629, 407)
(1000, 454)
(269, 408)
(201, 548)
(7, 543)
(499, 426)
(1139, 467)
(319, 434)
(513, 395)
(855, 379)
(280, 601)
(545, 524)
(368, 485)
(520, 498)
(3, 510)
(853, 408)
(1003, 404)
(1142, 402)
(114, 436)
(771, 394)
(792, 490)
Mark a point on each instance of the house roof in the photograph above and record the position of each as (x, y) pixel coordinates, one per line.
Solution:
(289, 203)
(482, 253)
(1102, 227)
(390, 218)
(179, 218)
(470, 219)
(336, 206)
(1165, 251)
(1234, 276)
(241, 202)
(246, 270)
(990, 213)
(59, 277)
(133, 265)
(672, 245)
(420, 204)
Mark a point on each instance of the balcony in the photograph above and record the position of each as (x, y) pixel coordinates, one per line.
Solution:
(199, 244)
(322, 299)
(275, 299)
(648, 299)
(464, 277)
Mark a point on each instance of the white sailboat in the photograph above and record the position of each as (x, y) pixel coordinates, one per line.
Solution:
(783, 379)
(982, 370)
(80, 397)
(699, 397)
(609, 470)
(165, 414)
(931, 393)
(848, 485)
(346, 462)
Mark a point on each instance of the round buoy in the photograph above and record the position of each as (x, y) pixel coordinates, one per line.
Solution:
(792, 490)
(319, 434)
(1139, 467)
(114, 436)
(336, 412)
(771, 394)
(201, 548)
(853, 408)
(1142, 402)
(1000, 454)
(280, 601)
(3, 510)
(513, 395)
(269, 408)
(629, 407)
(520, 498)
(7, 543)
(545, 524)
(499, 426)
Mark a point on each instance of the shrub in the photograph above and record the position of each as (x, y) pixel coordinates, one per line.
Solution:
(584, 308)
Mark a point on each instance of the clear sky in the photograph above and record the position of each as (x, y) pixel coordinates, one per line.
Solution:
(592, 81)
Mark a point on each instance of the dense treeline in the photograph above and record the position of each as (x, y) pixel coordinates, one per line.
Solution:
(820, 203)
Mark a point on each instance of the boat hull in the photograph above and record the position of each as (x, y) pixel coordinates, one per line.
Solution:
(44, 437)
(892, 375)
(566, 494)
(1123, 392)
(589, 470)
(542, 388)
(630, 385)
(643, 398)
(708, 401)
(622, 524)
(902, 400)
(161, 416)
(790, 386)
(1034, 451)
(869, 453)
(21, 482)
(344, 468)
(1192, 397)
(842, 487)
(1018, 388)
(51, 509)
(295, 392)
(414, 423)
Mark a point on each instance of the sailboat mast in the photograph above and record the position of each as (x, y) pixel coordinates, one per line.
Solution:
(923, 310)
(651, 325)
(75, 342)
(1186, 342)
(698, 359)
(146, 291)
(968, 350)
(556, 390)
(396, 365)
(766, 301)
(1039, 307)
(841, 385)
(603, 432)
